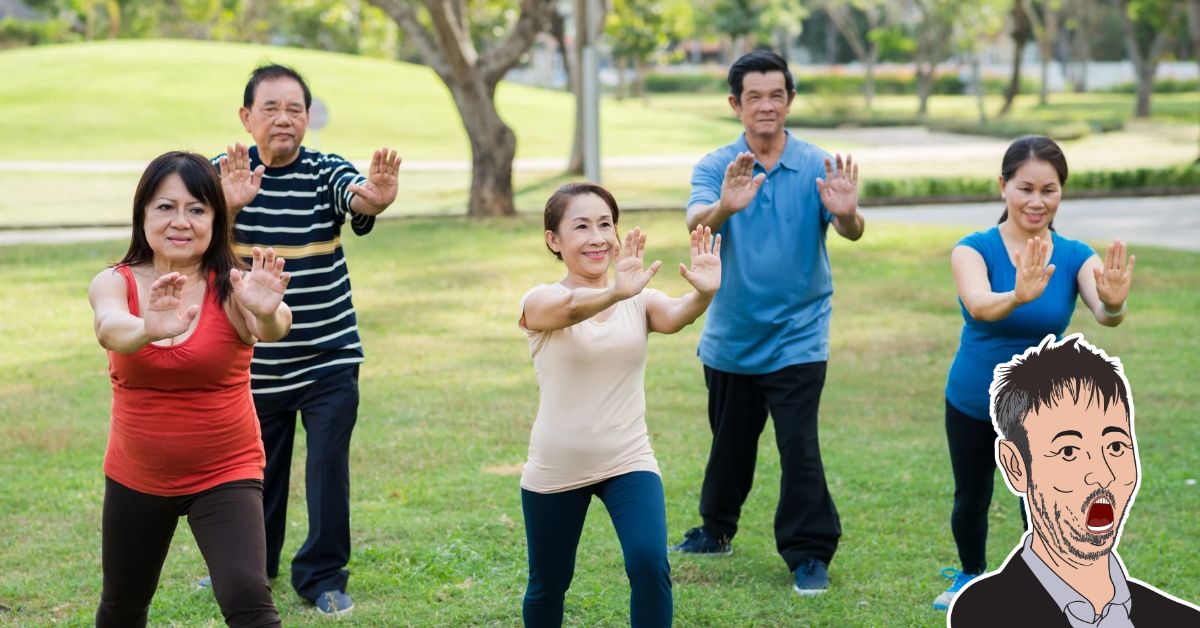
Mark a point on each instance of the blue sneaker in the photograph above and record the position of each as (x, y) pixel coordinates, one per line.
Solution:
(812, 577)
(699, 541)
(334, 603)
(959, 580)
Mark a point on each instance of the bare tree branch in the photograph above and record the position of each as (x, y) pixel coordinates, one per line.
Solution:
(405, 15)
(503, 57)
(457, 47)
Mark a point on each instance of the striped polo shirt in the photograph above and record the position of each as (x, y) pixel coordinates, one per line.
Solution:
(299, 212)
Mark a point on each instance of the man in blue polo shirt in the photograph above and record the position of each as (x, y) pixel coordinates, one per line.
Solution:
(296, 200)
(766, 340)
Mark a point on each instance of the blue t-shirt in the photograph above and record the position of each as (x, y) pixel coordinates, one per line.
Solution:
(985, 344)
(773, 308)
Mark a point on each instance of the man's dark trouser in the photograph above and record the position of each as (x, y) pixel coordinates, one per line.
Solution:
(806, 521)
(328, 408)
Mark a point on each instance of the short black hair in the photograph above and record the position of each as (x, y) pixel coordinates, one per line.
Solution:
(763, 61)
(271, 72)
(1048, 373)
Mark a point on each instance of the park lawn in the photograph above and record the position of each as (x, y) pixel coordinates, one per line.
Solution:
(449, 395)
(134, 99)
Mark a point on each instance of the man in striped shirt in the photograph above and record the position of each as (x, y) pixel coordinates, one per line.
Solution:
(296, 200)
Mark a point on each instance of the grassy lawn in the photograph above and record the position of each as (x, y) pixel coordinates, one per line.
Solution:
(448, 397)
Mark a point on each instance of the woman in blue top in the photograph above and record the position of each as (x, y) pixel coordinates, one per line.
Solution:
(1017, 282)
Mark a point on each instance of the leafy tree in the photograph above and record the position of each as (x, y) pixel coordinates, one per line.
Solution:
(980, 23)
(1149, 26)
(880, 15)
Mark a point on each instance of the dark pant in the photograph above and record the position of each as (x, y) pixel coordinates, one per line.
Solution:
(328, 408)
(227, 523)
(806, 521)
(553, 523)
(972, 456)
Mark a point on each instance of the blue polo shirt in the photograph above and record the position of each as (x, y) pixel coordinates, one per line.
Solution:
(984, 344)
(773, 308)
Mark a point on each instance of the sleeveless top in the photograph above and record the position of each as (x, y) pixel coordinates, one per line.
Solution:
(183, 419)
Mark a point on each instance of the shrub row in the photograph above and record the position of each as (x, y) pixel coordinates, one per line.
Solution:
(1185, 177)
(1062, 130)
(1165, 86)
(885, 85)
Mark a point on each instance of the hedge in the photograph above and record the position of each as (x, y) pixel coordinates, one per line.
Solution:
(1185, 177)
(946, 84)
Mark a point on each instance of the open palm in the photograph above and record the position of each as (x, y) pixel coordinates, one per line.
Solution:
(630, 276)
(261, 289)
(740, 183)
(1114, 280)
(839, 188)
(1032, 272)
(705, 273)
(239, 183)
(381, 186)
(165, 315)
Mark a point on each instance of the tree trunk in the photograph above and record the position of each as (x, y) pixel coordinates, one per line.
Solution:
(1020, 36)
(977, 80)
(1145, 86)
(493, 146)
(574, 63)
(639, 80)
(869, 82)
(622, 86)
(1193, 9)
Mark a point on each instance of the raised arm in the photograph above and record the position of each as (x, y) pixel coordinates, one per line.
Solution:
(971, 279)
(119, 330)
(379, 190)
(239, 183)
(258, 296)
(1104, 287)
(547, 310)
(839, 194)
(668, 315)
(738, 188)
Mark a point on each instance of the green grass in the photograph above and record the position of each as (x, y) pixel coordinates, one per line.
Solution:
(448, 392)
(132, 100)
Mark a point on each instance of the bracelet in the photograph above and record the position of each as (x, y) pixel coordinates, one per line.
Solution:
(1112, 314)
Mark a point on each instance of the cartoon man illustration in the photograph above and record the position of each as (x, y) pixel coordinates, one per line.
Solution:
(1065, 414)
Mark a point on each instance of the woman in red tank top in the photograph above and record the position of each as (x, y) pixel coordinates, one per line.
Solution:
(179, 316)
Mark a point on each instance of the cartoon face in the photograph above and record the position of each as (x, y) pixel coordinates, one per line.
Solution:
(1083, 473)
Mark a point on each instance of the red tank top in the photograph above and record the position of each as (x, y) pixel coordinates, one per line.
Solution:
(183, 418)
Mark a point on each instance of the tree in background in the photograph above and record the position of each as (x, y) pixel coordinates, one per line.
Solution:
(880, 15)
(1193, 11)
(979, 25)
(1080, 23)
(1020, 30)
(737, 19)
(1044, 17)
(637, 29)
(1149, 26)
(779, 24)
(934, 31)
(446, 46)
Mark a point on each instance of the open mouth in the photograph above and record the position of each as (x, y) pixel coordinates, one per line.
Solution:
(596, 255)
(1100, 516)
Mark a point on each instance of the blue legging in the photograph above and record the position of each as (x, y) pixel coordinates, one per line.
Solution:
(553, 523)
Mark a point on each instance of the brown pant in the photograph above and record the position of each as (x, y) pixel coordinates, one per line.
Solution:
(227, 522)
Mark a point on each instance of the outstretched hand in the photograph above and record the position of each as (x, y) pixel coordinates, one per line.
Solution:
(705, 273)
(381, 186)
(239, 183)
(631, 276)
(260, 290)
(740, 183)
(839, 188)
(165, 316)
(1114, 280)
(1032, 272)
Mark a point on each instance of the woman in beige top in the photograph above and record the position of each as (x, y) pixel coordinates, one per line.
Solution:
(587, 336)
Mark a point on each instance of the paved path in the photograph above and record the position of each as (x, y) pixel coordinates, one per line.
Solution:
(1170, 221)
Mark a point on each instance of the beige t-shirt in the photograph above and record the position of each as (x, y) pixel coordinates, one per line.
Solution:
(591, 420)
